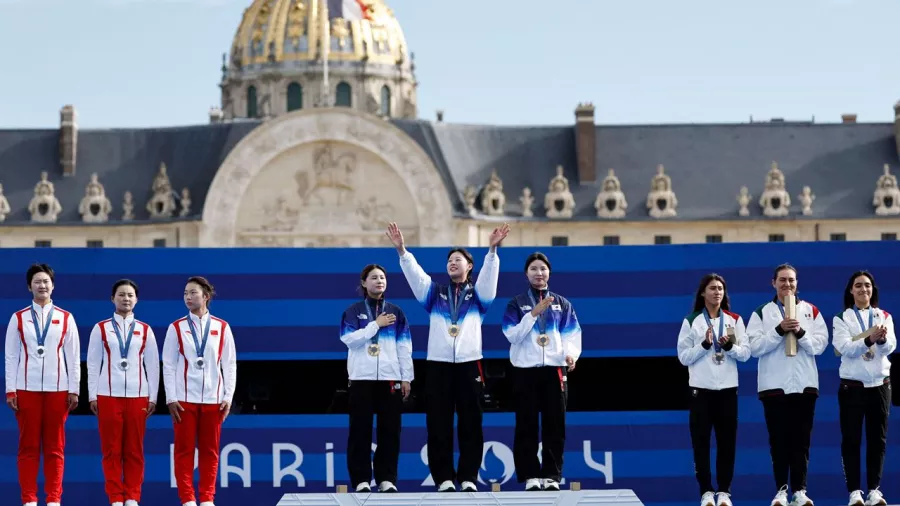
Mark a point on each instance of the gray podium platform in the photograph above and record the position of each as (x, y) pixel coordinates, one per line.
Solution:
(561, 498)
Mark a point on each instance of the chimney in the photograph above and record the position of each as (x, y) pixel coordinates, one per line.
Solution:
(68, 139)
(848, 118)
(897, 126)
(586, 143)
(440, 116)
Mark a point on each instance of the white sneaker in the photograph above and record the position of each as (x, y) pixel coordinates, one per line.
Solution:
(856, 498)
(387, 486)
(52, 504)
(468, 486)
(131, 502)
(30, 504)
(447, 486)
(363, 487)
(781, 497)
(117, 504)
(800, 499)
(875, 498)
(723, 499)
(207, 503)
(708, 499)
(550, 484)
(532, 484)
(192, 503)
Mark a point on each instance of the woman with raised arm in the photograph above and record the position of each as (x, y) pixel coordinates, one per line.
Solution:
(380, 369)
(199, 376)
(711, 342)
(43, 375)
(545, 343)
(864, 336)
(455, 380)
(788, 383)
(123, 382)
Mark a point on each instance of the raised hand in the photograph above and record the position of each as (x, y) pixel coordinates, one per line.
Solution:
(396, 237)
(385, 319)
(541, 306)
(498, 235)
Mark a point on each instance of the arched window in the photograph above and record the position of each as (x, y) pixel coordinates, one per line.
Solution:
(251, 102)
(294, 97)
(385, 101)
(344, 96)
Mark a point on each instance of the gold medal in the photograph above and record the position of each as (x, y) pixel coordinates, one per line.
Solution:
(543, 340)
(374, 349)
(454, 330)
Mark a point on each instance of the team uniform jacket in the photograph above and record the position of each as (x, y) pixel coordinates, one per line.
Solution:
(777, 371)
(59, 370)
(475, 303)
(182, 379)
(854, 366)
(359, 330)
(522, 330)
(703, 372)
(105, 377)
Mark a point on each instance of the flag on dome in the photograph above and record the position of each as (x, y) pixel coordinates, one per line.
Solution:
(351, 10)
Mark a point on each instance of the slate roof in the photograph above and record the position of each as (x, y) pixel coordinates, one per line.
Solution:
(707, 163)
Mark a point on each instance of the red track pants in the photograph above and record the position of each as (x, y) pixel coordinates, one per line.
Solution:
(42, 426)
(123, 422)
(200, 427)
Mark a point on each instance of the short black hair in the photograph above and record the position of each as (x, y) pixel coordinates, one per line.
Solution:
(36, 268)
(537, 255)
(121, 282)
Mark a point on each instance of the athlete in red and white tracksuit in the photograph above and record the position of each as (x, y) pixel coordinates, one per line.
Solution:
(42, 384)
(198, 395)
(122, 389)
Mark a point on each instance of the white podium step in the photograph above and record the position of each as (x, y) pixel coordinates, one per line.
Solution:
(561, 498)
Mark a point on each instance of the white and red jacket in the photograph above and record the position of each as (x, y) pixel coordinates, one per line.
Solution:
(854, 365)
(105, 377)
(59, 370)
(184, 381)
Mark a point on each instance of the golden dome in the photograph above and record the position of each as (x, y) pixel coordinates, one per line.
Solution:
(282, 31)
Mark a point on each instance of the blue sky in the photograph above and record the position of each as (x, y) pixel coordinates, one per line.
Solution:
(146, 63)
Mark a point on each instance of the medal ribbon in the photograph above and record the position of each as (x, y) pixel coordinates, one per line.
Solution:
(542, 321)
(454, 305)
(371, 319)
(200, 347)
(721, 328)
(862, 327)
(41, 336)
(124, 347)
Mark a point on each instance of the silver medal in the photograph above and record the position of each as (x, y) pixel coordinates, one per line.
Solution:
(123, 364)
(40, 350)
(200, 363)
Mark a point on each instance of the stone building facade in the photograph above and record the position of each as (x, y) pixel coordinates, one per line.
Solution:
(288, 161)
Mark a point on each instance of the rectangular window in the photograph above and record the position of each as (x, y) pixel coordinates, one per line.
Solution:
(559, 240)
(95, 244)
(838, 237)
(613, 240)
(776, 237)
(714, 239)
(43, 244)
(159, 243)
(888, 236)
(662, 239)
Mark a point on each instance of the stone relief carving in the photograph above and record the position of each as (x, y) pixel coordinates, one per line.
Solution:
(94, 206)
(162, 203)
(806, 200)
(44, 206)
(744, 199)
(227, 200)
(887, 195)
(4, 206)
(185, 202)
(661, 200)
(374, 215)
(559, 201)
(527, 201)
(127, 207)
(492, 197)
(775, 200)
(610, 202)
(469, 196)
(331, 180)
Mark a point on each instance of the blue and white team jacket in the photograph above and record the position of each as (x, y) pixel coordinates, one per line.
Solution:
(434, 297)
(359, 330)
(872, 369)
(777, 371)
(522, 330)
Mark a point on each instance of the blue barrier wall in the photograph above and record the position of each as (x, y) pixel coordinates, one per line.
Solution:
(630, 301)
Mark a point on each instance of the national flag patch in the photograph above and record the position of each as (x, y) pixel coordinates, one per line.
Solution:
(214, 332)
